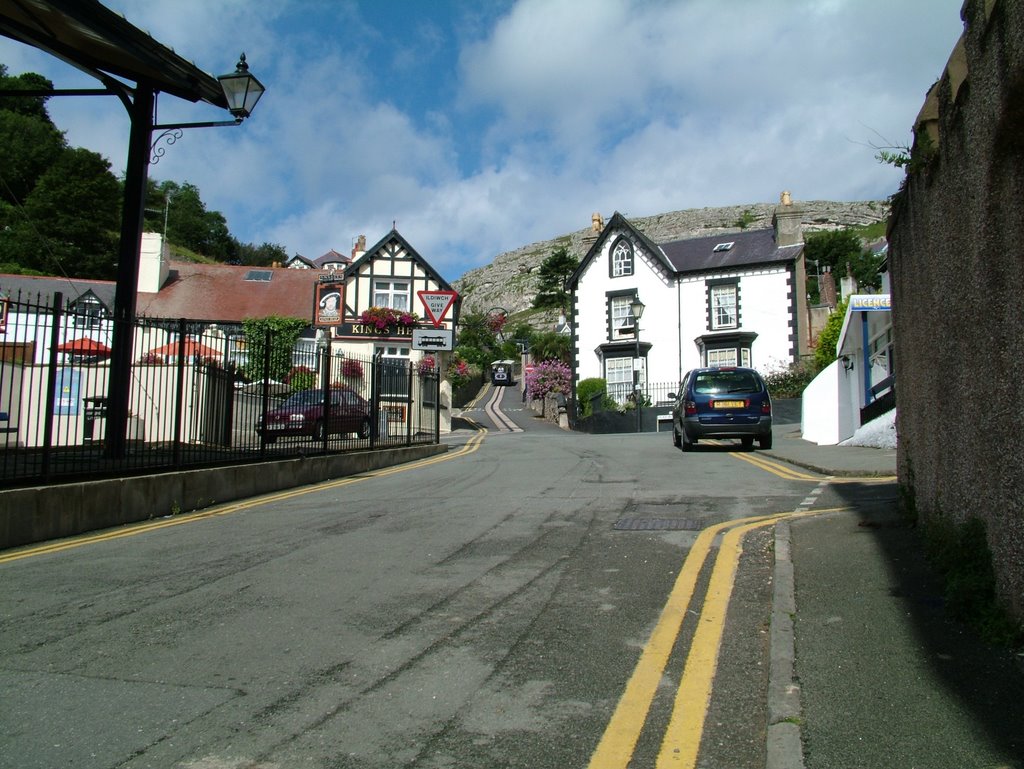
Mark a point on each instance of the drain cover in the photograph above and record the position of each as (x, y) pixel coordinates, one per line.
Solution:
(658, 524)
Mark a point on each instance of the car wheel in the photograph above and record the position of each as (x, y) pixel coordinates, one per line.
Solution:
(676, 440)
(364, 428)
(748, 443)
(318, 431)
(765, 442)
(687, 443)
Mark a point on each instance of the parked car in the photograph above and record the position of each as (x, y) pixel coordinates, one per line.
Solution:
(302, 413)
(727, 402)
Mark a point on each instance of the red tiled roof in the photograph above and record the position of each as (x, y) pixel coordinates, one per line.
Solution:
(219, 292)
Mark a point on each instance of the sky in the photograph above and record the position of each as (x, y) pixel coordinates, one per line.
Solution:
(477, 126)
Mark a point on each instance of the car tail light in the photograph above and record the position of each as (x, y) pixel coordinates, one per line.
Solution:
(689, 408)
(766, 406)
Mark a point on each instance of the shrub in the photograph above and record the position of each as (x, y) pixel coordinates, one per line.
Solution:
(585, 392)
(789, 381)
(548, 377)
(300, 378)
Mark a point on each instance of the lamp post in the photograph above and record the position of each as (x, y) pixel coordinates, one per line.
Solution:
(637, 308)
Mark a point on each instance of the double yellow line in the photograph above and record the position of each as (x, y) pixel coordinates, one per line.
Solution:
(220, 510)
(686, 725)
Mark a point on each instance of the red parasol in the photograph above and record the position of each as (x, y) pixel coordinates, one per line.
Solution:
(84, 346)
(193, 349)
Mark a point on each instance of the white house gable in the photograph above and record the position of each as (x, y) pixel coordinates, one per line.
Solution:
(722, 300)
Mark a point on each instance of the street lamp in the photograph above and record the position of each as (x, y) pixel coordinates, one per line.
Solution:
(637, 308)
(241, 89)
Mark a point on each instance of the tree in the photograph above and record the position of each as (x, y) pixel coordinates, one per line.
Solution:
(550, 345)
(283, 333)
(825, 352)
(554, 272)
(70, 222)
(840, 249)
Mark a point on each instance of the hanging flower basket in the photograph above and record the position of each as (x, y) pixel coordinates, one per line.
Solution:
(351, 369)
(427, 365)
(386, 320)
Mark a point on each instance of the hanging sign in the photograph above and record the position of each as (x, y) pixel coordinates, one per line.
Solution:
(437, 304)
(328, 299)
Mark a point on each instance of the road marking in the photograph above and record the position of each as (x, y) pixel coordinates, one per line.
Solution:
(220, 510)
(686, 726)
(618, 743)
(775, 468)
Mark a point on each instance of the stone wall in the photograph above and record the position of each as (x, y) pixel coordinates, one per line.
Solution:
(957, 264)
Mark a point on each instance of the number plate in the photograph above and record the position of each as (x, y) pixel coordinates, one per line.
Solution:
(729, 404)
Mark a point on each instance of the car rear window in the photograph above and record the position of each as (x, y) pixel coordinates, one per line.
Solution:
(717, 382)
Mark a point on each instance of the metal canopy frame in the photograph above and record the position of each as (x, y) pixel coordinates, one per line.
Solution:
(104, 45)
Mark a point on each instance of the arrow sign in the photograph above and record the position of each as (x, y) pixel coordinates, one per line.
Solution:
(437, 304)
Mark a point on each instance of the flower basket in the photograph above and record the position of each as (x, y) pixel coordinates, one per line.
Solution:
(386, 319)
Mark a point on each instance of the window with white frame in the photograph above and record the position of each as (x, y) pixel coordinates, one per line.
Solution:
(723, 306)
(623, 323)
(618, 376)
(622, 259)
(723, 357)
(391, 293)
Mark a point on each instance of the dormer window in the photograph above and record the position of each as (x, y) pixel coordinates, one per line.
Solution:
(622, 258)
(87, 312)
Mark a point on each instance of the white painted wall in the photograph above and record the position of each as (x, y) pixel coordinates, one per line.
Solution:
(676, 314)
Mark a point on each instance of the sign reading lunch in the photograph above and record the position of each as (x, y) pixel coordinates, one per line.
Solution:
(437, 304)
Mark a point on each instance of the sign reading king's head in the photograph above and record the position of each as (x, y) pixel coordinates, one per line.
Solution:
(328, 301)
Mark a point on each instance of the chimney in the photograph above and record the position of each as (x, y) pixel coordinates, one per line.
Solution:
(596, 226)
(827, 289)
(789, 229)
(154, 263)
(848, 285)
(359, 248)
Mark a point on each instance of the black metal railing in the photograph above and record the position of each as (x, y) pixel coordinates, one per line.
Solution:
(195, 397)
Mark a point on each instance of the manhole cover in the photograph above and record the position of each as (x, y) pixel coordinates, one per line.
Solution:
(658, 524)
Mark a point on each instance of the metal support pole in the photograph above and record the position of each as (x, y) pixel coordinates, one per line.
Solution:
(636, 380)
(136, 170)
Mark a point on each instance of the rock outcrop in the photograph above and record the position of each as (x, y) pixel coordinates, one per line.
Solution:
(510, 281)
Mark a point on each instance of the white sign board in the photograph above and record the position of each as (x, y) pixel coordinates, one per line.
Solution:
(432, 339)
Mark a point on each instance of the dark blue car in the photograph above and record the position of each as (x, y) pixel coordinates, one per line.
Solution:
(727, 402)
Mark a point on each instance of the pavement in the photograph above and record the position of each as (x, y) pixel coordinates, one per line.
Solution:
(867, 670)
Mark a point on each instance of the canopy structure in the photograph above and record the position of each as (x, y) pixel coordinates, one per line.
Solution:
(193, 349)
(133, 66)
(83, 346)
(102, 43)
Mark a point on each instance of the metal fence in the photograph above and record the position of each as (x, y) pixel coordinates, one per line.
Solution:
(196, 397)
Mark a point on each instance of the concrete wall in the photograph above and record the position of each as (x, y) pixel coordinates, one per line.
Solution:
(956, 242)
(50, 512)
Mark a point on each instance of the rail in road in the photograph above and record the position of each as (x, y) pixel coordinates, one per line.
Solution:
(716, 552)
(502, 422)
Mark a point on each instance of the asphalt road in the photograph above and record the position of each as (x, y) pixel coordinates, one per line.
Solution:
(520, 602)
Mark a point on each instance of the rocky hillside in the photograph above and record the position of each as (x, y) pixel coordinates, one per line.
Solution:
(510, 281)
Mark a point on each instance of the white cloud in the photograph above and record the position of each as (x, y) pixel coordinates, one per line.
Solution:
(556, 109)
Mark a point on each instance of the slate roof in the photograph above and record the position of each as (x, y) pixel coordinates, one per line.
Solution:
(748, 247)
(41, 289)
(331, 257)
(221, 293)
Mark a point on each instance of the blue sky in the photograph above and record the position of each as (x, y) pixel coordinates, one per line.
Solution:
(478, 127)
